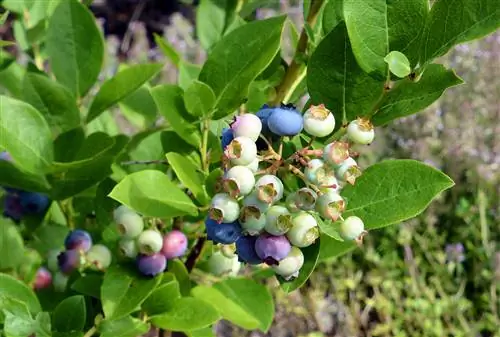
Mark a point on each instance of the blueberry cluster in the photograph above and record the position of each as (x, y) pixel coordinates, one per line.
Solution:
(252, 217)
(148, 247)
(18, 203)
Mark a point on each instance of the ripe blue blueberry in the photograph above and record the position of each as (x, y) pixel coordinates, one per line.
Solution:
(149, 242)
(220, 265)
(361, 131)
(264, 113)
(224, 233)
(151, 265)
(34, 203)
(78, 239)
(245, 249)
(69, 260)
(175, 244)
(285, 122)
(99, 257)
(290, 266)
(129, 223)
(272, 249)
(239, 180)
(12, 207)
(241, 151)
(278, 220)
(319, 121)
(330, 204)
(269, 189)
(252, 220)
(224, 208)
(128, 248)
(352, 228)
(43, 279)
(227, 137)
(247, 125)
(305, 230)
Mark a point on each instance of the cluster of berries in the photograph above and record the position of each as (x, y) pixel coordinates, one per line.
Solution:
(148, 247)
(18, 203)
(252, 217)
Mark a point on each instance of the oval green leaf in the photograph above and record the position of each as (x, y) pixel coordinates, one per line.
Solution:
(188, 175)
(199, 99)
(70, 314)
(123, 327)
(152, 193)
(398, 63)
(14, 289)
(11, 245)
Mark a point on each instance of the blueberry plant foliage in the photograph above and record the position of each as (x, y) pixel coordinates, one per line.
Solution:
(174, 227)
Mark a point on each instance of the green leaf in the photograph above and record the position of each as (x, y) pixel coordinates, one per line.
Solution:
(187, 314)
(205, 332)
(14, 289)
(392, 191)
(75, 47)
(151, 193)
(335, 79)
(164, 296)
(11, 245)
(54, 101)
(124, 327)
(409, 97)
(188, 72)
(123, 291)
(188, 175)
(368, 30)
(234, 63)
(332, 248)
(243, 302)
(122, 84)
(458, 21)
(168, 50)
(199, 99)
(181, 274)
(332, 15)
(89, 285)
(172, 142)
(48, 237)
(139, 107)
(170, 102)
(70, 314)
(149, 148)
(11, 176)
(398, 63)
(25, 135)
(212, 18)
(3, 17)
(311, 255)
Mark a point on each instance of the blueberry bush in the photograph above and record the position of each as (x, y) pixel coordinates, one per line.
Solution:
(247, 162)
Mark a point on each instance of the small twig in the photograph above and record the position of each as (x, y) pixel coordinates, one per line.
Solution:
(90, 332)
(125, 45)
(194, 254)
(144, 162)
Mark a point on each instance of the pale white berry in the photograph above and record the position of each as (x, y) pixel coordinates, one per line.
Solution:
(319, 121)
(361, 131)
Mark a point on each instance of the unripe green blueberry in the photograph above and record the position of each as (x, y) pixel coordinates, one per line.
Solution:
(304, 231)
(352, 228)
(335, 153)
(306, 198)
(349, 171)
(241, 151)
(224, 208)
(239, 180)
(220, 265)
(128, 248)
(247, 125)
(228, 251)
(291, 203)
(330, 205)
(361, 131)
(289, 267)
(278, 220)
(253, 200)
(311, 170)
(60, 281)
(254, 166)
(269, 188)
(319, 121)
(326, 178)
(99, 257)
(130, 224)
(252, 220)
(149, 242)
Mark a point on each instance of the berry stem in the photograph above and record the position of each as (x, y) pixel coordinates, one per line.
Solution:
(90, 332)
(204, 146)
(296, 71)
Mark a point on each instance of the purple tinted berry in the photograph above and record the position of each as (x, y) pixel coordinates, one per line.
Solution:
(247, 125)
(264, 113)
(69, 261)
(224, 233)
(285, 122)
(12, 207)
(227, 137)
(174, 244)
(272, 249)
(43, 278)
(4, 155)
(34, 203)
(245, 249)
(78, 239)
(151, 265)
